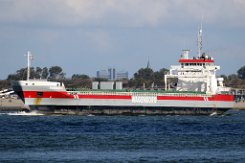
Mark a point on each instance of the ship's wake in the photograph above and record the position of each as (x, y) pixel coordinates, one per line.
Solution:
(24, 113)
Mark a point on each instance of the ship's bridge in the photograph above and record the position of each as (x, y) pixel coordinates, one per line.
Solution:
(196, 63)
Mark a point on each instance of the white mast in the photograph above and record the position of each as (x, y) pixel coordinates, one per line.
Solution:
(29, 58)
(199, 41)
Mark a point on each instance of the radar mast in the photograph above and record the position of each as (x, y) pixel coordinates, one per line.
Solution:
(199, 41)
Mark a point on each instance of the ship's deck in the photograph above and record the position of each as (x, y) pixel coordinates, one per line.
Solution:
(133, 90)
(137, 92)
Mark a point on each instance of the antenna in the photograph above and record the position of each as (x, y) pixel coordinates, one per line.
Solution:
(29, 58)
(199, 41)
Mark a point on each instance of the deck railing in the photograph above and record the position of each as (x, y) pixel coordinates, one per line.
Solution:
(136, 92)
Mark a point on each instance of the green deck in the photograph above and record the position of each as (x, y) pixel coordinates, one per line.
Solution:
(134, 91)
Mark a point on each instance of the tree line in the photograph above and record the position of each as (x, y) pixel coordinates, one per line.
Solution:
(235, 80)
(54, 72)
(143, 78)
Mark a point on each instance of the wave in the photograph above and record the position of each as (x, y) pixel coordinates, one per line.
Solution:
(213, 114)
(23, 113)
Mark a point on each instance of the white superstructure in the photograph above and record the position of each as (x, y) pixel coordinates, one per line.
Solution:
(196, 73)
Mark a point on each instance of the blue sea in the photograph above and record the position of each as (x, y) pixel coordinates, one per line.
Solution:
(30, 137)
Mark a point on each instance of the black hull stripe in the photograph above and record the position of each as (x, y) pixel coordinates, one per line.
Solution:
(111, 110)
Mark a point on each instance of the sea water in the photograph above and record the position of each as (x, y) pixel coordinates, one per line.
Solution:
(29, 137)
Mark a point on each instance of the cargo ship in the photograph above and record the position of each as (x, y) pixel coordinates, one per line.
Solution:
(196, 91)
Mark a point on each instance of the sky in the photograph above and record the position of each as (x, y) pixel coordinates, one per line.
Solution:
(83, 36)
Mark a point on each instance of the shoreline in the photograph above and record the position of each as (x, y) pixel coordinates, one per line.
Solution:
(11, 104)
(239, 106)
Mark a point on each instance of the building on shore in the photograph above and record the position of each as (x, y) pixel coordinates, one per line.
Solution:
(112, 74)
